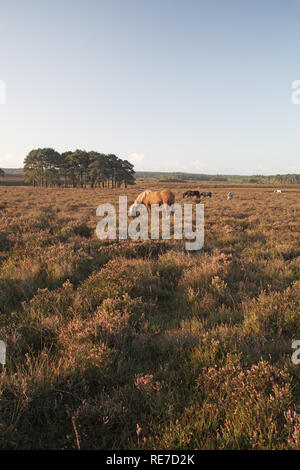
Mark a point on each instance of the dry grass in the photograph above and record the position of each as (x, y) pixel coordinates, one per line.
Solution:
(130, 345)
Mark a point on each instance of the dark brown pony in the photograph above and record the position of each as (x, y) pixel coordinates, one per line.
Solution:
(191, 193)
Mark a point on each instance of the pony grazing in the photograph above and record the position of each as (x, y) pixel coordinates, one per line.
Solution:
(207, 194)
(141, 196)
(191, 193)
(149, 197)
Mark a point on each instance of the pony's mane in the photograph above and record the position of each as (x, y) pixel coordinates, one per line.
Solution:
(141, 196)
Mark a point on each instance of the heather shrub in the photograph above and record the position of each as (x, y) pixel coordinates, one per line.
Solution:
(293, 428)
(116, 278)
(170, 268)
(233, 408)
(4, 242)
(199, 275)
(275, 314)
(76, 228)
(45, 302)
(121, 344)
(120, 318)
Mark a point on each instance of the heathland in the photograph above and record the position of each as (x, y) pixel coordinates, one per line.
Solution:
(141, 344)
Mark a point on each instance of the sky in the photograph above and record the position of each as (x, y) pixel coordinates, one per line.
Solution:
(171, 85)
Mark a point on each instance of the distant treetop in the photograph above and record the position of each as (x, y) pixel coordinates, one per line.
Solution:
(77, 169)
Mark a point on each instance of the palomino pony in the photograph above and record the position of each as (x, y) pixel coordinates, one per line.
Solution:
(149, 197)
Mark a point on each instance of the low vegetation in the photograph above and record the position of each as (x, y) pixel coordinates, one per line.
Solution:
(141, 344)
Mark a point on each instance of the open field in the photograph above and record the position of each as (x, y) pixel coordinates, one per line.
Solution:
(137, 345)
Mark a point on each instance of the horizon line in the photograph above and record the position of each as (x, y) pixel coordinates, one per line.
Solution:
(191, 173)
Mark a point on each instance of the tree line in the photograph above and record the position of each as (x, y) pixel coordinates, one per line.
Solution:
(78, 169)
(185, 177)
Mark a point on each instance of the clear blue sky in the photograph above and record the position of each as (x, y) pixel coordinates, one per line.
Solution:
(189, 85)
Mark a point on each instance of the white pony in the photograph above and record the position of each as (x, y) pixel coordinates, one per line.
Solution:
(139, 200)
(230, 195)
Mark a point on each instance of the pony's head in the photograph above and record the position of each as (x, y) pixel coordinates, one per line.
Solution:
(139, 200)
(132, 209)
(141, 196)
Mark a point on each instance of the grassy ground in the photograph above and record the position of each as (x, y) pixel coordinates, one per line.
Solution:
(136, 345)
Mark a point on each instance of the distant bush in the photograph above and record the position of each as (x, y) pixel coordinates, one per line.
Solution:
(4, 241)
(76, 228)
